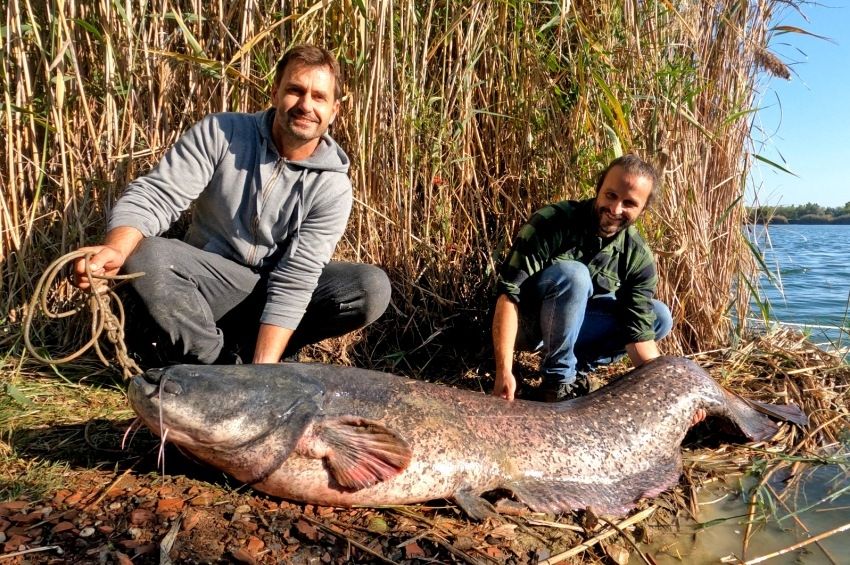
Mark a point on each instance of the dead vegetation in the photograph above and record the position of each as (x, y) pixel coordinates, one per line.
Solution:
(69, 485)
(460, 118)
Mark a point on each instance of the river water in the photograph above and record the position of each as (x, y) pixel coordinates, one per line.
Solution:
(809, 284)
(809, 289)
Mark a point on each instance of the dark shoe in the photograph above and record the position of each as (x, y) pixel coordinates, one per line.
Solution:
(228, 357)
(559, 391)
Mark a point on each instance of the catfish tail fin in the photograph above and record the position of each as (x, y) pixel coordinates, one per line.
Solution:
(749, 416)
(785, 412)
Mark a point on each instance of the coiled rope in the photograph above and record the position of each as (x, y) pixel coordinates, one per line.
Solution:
(99, 298)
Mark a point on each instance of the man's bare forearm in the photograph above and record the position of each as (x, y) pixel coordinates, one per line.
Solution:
(271, 343)
(642, 351)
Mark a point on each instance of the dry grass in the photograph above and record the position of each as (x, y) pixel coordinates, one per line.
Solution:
(461, 119)
(58, 430)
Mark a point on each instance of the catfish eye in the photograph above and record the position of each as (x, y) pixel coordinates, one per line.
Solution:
(172, 387)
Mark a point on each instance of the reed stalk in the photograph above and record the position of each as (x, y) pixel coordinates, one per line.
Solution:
(461, 118)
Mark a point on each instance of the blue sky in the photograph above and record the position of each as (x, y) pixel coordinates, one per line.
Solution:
(807, 119)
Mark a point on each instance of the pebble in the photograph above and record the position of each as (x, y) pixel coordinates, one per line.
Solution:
(87, 532)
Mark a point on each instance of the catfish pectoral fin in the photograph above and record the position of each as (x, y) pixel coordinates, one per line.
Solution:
(362, 452)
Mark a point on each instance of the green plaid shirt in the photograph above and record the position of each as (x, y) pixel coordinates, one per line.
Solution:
(567, 231)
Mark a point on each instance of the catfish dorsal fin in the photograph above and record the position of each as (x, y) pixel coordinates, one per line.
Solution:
(362, 452)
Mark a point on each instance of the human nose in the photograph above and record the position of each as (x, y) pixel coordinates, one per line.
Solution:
(617, 208)
(305, 103)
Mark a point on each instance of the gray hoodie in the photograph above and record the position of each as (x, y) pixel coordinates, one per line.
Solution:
(251, 205)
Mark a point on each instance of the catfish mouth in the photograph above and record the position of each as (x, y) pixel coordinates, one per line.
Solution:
(171, 411)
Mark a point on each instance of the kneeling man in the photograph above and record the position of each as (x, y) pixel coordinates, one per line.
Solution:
(579, 285)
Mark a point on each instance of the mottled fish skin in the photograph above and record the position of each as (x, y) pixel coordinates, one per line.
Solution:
(605, 450)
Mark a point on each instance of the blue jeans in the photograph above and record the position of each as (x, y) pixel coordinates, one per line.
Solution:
(204, 303)
(574, 330)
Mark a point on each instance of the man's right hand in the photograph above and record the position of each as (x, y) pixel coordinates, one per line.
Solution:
(105, 261)
(505, 386)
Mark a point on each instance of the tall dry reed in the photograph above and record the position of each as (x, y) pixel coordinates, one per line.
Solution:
(461, 118)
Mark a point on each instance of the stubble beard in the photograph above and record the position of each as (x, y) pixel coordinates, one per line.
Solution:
(605, 227)
(304, 130)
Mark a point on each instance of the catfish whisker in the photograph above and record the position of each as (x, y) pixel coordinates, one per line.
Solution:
(160, 458)
(134, 427)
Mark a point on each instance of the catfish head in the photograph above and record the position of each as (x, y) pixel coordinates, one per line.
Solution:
(239, 418)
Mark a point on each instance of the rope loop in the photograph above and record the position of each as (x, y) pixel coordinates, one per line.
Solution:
(99, 298)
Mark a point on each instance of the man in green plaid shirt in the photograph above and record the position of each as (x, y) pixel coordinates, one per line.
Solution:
(579, 285)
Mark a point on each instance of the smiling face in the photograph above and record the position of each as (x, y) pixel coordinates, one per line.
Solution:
(620, 199)
(305, 106)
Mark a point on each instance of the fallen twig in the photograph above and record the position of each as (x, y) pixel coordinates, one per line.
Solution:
(796, 546)
(33, 550)
(596, 539)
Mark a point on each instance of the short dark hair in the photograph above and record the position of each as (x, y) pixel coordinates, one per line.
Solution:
(633, 165)
(312, 56)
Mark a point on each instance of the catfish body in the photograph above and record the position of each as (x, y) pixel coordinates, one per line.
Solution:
(344, 436)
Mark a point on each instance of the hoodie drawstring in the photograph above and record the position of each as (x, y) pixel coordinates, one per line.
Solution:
(298, 213)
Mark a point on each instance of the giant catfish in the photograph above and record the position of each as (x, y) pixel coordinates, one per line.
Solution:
(344, 436)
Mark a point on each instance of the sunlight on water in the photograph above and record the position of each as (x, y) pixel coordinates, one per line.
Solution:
(719, 535)
(812, 279)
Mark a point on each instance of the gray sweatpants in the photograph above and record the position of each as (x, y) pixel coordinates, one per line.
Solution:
(204, 303)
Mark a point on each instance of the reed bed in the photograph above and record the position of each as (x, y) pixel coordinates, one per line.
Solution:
(461, 118)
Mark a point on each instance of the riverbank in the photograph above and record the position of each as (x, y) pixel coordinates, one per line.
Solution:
(70, 487)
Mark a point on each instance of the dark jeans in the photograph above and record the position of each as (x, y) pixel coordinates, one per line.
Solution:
(574, 330)
(204, 303)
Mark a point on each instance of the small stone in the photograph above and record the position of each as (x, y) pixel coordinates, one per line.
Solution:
(87, 532)
(169, 505)
(378, 525)
(140, 516)
(191, 520)
(74, 499)
(412, 551)
(255, 545)
(115, 506)
(241, 555)
(62, 527)
(14, 505)
(60, 496)
(203, 499)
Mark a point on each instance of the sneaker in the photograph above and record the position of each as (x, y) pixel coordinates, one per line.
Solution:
(560, 391)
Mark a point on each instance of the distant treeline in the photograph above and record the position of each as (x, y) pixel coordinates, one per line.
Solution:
(800, 214)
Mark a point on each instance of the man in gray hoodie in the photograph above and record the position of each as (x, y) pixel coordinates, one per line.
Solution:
(271, 198)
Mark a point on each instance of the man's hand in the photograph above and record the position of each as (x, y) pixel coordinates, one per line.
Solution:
(505, 324)
(105, 261)
(505, 386)
(109, 257)
(271, 343)
(642, 351)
